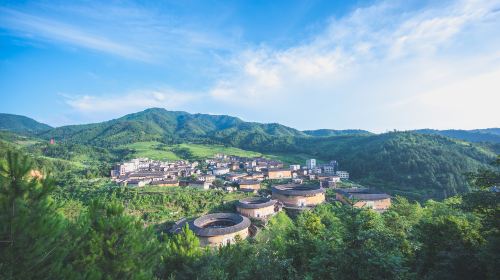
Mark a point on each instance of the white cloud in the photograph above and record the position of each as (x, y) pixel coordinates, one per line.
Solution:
(130, 102)
(354, 70)
(474, 100)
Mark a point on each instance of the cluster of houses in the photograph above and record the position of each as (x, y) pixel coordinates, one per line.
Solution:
(236, 172)
(143, 171)
(294, 189)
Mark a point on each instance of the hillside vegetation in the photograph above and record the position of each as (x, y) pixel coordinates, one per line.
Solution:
(332, 132)
(165, 126)
(21, 124)
(476, 135)
(416, 165)
(121, 234)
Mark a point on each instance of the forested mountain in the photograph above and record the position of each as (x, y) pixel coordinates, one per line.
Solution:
(167, 126)
(417, 165)
(333, 132)
(21, 124)
(476, 135)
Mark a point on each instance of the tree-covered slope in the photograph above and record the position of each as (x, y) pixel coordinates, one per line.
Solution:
(162, 125)
(416, 165)
(477, 135)
(21, 124)
(333, 132)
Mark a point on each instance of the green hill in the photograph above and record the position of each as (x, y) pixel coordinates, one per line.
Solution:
(165, 126)
(477, 135)
(21, 124)
(414, 165)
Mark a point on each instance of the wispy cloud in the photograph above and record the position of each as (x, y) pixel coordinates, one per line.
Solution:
(128, 102)
(375, 55)
(127, 31)
(33, 26)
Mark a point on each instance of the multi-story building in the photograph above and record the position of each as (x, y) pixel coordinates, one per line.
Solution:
(328, 169)
(311, 163)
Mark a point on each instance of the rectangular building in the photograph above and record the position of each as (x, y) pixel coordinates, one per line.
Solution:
(311, 163)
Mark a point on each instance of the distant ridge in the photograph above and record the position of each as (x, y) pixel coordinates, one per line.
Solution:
(333, 132)
(21, 124)
(476, 135)
(160, 124)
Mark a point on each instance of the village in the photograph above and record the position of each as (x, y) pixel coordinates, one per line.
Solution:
(293, 189)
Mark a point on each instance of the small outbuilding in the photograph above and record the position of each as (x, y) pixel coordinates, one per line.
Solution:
(249, 185)
(278, 173)
(257, 207)
(364, 198)
(299, 195)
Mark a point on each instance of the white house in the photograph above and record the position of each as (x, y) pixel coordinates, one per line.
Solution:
(342, 174)
(220, 171)
(294, 167)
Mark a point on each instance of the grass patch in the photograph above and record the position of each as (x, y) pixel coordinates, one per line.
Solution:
(152, 150)
(160, 151)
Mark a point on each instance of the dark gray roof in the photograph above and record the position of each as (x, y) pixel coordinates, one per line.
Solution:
(238, 223)
(297, 189)
(362, 194)
(255, 202)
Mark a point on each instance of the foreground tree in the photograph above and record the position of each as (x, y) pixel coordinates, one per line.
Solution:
(113, 245)
(33, 243)
(450, 244)
(180, 253)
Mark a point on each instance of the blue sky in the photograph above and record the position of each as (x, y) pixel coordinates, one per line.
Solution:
(376, 65)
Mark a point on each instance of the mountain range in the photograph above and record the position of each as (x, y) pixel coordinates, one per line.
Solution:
(418, 164)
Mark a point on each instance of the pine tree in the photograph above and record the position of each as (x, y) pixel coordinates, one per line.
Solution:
(181, 252)
(113, 245)
(31, 232)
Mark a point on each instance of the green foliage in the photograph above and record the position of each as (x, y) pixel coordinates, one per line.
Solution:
(450, 244)
(154, 205)
(408, 164)
(32, 235)
(112, 245)
(21, 124)
(454, 239)
(477, 135)
(419, 166)
(181, 252)
(332, 132)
